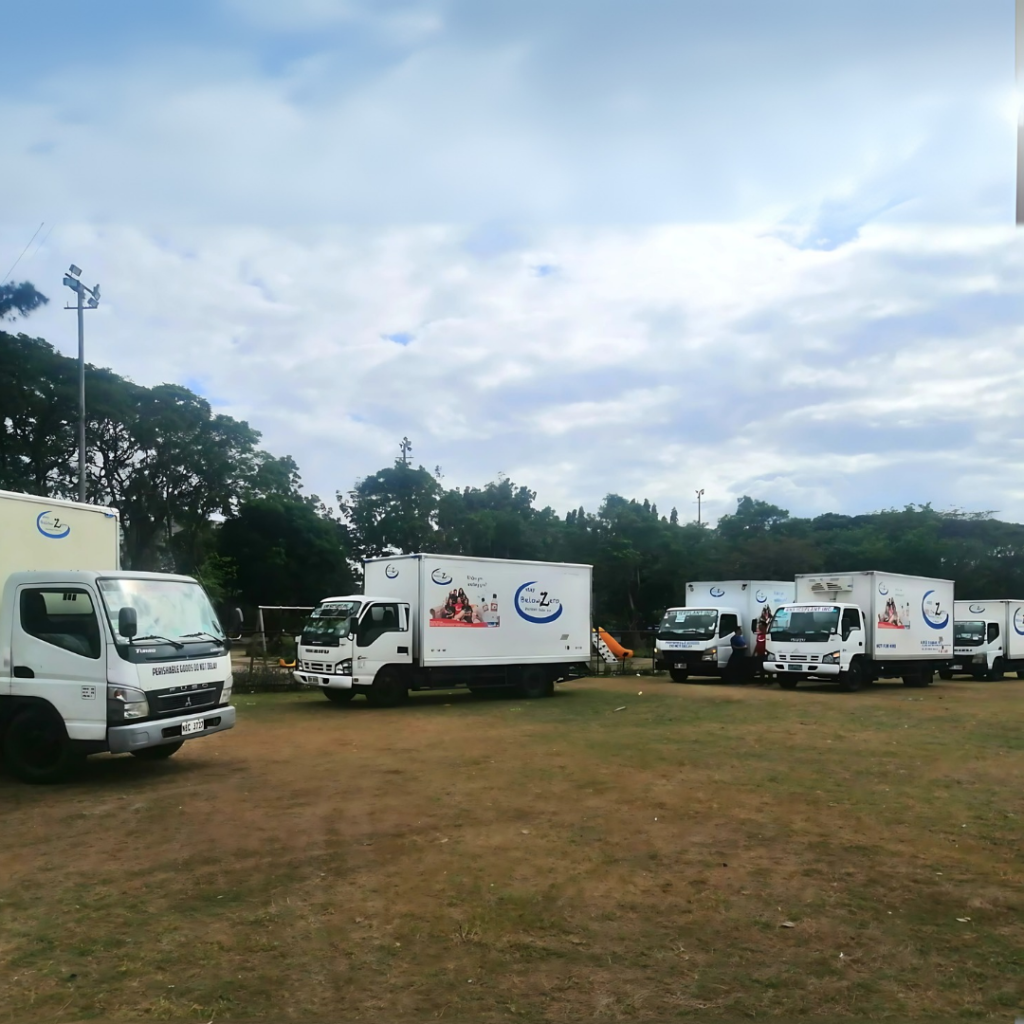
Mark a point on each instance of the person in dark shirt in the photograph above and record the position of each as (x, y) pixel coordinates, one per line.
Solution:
(736, 669)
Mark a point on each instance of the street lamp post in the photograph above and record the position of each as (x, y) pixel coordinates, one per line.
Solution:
(71, 279)
(700, 494)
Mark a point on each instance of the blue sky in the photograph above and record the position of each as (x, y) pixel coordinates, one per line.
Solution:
(758, 248)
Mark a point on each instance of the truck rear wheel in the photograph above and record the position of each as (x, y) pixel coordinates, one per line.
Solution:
(389, 688)
(945, 674)
(37, 748)
(920, 678)
(679, 675)
(336, 696)
(534, 682)
(161, 753)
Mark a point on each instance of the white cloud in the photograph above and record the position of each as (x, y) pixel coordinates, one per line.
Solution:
(654, 362)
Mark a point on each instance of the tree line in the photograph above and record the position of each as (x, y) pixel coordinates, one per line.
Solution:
(197, 494)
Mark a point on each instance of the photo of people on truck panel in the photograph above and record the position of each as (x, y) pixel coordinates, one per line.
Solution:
(890, 617)
(457, 608)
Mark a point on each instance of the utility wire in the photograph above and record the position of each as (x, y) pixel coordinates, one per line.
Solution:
(23, 251)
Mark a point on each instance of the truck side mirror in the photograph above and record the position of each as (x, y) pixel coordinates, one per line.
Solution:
(127, 622)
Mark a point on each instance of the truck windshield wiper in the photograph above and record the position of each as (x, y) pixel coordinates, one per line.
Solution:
(152, 636)
(201, 633)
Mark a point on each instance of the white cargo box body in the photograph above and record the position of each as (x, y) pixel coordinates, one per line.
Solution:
(907, 617)
(751, 598)
(43, 534)
(522, 612)
(1009, 615)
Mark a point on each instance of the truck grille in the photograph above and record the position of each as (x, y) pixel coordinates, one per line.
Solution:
(185, 700)
(316, 666)
(796, 657)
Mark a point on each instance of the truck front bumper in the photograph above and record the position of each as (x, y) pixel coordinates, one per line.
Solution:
(803, 668)
(322, 682)
(122, 739)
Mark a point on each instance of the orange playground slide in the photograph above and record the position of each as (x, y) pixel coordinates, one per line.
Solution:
(613, 645)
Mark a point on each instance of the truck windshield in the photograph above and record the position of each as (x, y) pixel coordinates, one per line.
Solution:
(968, 634)
(689, 623)
(329, 623)
(166, 609)
(808, 624)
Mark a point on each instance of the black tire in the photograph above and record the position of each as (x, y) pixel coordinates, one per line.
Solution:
(945, 674)
(998, 671)
(921, 678)
(535, 682)
(389, 688)
(336, 696)
(854, 678)
(37, 749)
(788, 683)
(679, 675)
(161, 753)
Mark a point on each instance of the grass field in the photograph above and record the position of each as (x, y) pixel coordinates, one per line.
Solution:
(549, 860)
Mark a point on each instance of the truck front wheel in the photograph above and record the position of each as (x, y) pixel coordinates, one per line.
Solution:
(37, 749)
(854, 678)
(679, 675)
(389, 688)
(161, 753)
(997, 671)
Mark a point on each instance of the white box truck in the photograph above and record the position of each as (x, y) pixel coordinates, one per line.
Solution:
(853, 628)
(694, 640)
(438, 621)
(988, 639)
(94, 659)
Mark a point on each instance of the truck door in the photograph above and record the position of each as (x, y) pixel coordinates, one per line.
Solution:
(993, 643)
(57, 652)
(852, 635)
(382, 638)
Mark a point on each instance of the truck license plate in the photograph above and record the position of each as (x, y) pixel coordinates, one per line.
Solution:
(795, 668)
(192, 726)
(680, 664)
(955, 668)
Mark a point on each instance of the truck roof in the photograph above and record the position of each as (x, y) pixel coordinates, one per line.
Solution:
(867, 572)
(90, 575)
(37, 499)
(471, 558)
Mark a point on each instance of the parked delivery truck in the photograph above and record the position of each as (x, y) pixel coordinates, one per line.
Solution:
(988, 639)
(437, 621)
(694, 640)
(854, 628)
(95, 659)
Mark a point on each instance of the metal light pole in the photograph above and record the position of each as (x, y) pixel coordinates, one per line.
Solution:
(71, 279)
(1018, 39)
(700, 494)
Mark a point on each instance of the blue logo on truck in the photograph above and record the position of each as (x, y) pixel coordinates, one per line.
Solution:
(717, 592)
(441, 577)
(976, 609)
(50, 524)
(536, 604)
(883, 589)
(391, 572)
(931, 612)
(1018, 620)
(760, 597)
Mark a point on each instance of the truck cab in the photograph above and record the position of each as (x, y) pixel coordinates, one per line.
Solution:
(977, 643)
(93, 661)
(807, 641)
(348, 641)
(695, 641)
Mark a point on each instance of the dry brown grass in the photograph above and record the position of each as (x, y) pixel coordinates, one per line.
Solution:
(551, 860)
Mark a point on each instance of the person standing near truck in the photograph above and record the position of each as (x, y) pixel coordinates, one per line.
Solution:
(760, 650)
(737, 667)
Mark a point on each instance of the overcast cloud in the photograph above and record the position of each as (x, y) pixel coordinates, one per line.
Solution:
(646, 247)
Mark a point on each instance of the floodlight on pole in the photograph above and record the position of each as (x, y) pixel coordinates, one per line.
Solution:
(72, 282)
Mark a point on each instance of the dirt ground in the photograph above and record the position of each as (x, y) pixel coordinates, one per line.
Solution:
(686, 852)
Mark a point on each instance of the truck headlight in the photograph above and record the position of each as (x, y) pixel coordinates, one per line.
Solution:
(344, 668)
(831, 659)
(229, 683)
(978, 659)
(126, 703)
(711, 655)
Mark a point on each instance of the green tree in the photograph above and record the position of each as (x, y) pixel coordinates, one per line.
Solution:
(19, 300)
